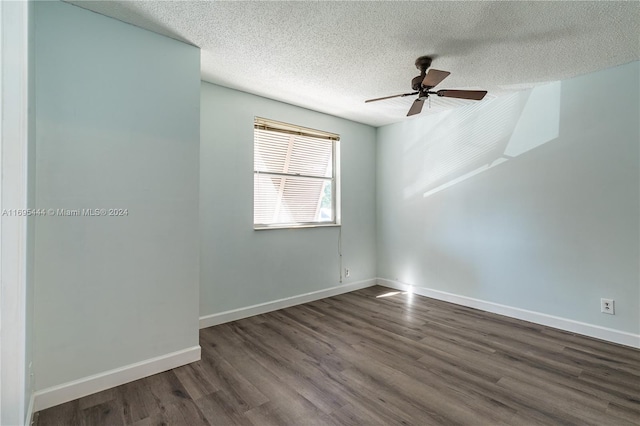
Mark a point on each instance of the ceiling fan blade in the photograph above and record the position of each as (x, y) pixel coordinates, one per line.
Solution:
(475, 95)
(416, 107)
(389, 97)
(434, 77)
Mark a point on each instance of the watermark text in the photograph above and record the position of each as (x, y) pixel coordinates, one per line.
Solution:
(58, 212)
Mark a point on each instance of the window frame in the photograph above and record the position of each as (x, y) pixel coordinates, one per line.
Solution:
(287, 128)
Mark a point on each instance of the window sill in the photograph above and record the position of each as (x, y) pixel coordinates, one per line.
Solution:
(309, 225)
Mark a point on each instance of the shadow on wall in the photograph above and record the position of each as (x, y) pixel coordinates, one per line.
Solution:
(460, 144)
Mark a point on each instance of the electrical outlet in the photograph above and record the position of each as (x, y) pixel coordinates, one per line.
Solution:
(607, 306)
(347, 272)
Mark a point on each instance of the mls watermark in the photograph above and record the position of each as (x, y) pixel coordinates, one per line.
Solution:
(65, 212)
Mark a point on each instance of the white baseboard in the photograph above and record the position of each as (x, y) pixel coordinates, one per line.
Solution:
(604, 333)
(98, 382)
(262, 308)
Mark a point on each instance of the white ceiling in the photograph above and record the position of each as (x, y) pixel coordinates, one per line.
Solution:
(330, 56)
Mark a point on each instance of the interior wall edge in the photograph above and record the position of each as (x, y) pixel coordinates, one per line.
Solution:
(263, 308)
(14, 195)
(75, 389)
(564, 324)
(30, 410)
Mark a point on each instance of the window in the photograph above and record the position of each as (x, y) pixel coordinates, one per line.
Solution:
(294, 176)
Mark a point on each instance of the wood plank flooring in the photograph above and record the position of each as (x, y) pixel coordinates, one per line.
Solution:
(359, 359)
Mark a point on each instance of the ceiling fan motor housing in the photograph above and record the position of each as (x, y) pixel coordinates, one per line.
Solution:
(422, 63)
(416, 82)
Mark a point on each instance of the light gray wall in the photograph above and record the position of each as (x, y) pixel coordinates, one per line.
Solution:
(241, 267)
(117, 116)
(551, 227)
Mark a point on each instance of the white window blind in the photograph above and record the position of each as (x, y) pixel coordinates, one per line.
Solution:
(294, 175)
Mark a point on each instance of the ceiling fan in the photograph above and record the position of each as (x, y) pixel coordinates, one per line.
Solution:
(427, 81)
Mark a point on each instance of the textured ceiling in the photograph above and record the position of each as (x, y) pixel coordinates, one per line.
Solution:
(330, 56)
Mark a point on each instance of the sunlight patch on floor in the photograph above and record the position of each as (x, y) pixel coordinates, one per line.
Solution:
(391, 293)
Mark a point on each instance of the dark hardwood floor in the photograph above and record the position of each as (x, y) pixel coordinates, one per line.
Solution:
(359, 359)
